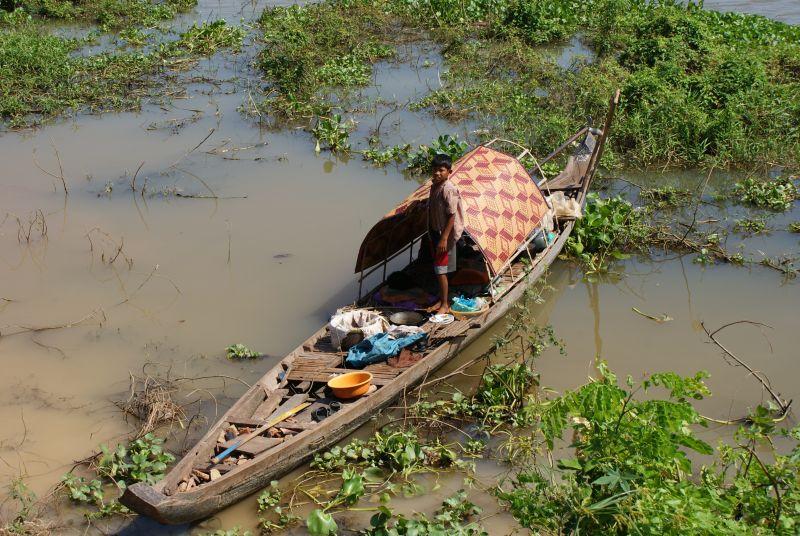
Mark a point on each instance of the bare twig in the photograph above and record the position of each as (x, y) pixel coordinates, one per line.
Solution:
(699, 202)
(60, 176)
(190, 151)
(773, 481)
(784, 406)
(133, 180)
(39, 329)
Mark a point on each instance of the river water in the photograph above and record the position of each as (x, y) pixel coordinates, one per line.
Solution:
(271, 256)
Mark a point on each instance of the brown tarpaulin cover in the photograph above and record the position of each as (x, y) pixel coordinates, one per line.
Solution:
(502, 205)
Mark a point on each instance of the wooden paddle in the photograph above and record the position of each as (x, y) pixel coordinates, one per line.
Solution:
(258, 431)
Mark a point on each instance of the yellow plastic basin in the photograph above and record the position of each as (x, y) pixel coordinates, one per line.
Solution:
(350, 385)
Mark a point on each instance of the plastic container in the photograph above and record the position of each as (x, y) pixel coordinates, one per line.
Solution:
(351, 384)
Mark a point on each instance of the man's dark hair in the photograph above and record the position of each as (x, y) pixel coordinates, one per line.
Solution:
(441, 160)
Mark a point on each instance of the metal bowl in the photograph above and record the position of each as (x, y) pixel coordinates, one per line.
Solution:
(407, 318)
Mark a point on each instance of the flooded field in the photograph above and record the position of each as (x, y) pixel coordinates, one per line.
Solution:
(187, 227)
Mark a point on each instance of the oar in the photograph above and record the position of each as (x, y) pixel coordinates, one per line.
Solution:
(258, 431)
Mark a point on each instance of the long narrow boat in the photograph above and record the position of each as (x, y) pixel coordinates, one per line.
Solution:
(504, 208)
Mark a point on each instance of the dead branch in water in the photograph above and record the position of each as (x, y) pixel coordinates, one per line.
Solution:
(36, 222)
(145, 281)
(133, 180)
(48, 347)
(190, 151)
(762, 379)
(39, 329)
(118, 247)
(60, 176)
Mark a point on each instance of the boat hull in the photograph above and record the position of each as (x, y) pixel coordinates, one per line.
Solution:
(212, 497)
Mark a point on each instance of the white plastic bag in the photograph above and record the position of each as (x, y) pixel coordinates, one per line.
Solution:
(564, 207)
(368, 323)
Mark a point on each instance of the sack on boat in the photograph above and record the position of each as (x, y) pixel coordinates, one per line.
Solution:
(564, 207)
(359, 322)
(379, 348)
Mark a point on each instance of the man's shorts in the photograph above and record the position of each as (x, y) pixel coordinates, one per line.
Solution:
(445, 263)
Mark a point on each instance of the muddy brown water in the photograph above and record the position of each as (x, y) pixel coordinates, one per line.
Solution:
(266, 262)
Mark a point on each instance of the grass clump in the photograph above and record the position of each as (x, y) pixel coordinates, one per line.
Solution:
(209, 37)
(794, 227)
(777, 195)
(108, 14)
(42, 75)
(698, 87)
(312, 50)
(666, 197)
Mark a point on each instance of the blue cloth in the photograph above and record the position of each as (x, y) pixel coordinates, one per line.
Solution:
(378, 348)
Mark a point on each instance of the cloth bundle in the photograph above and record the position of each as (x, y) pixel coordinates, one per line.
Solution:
(368, 323)
(379, 348)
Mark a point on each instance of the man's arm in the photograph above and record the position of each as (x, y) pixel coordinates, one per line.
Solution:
(441, 247)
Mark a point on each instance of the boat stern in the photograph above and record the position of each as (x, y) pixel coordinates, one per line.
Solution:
(145, 500)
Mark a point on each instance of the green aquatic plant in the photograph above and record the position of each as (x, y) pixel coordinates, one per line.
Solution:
(777, 195)
(240, 351)
(205, 39)
(420, 160)
(272, 515)
(141, 460)
(312, 50)
(751, 225)
(108, 14)
(44, 75)
(666, 197)
(608, 229)
(631, 472)
(450, 519)
(794, 227)
(235, 531)
(382, 157)
(333, 132)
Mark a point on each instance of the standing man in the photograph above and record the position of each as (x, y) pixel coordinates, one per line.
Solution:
(445, 225)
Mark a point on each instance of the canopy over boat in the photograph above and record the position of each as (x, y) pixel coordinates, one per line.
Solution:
(502, 206)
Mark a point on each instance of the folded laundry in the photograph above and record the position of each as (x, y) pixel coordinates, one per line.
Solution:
(379, 348)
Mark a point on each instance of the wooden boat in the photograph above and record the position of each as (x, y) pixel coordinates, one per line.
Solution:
(193, 491)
